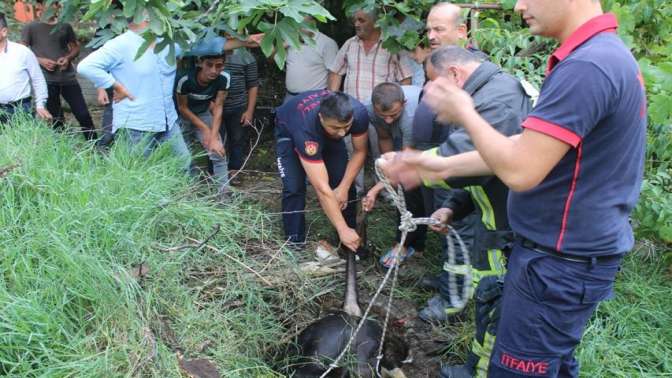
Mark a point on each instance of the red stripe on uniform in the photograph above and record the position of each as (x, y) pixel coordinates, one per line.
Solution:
(553, 130)
(568, 203)
(307, 160)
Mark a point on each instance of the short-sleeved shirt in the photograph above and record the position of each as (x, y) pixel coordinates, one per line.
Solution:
(199, 96)
(298, 120)
(594, 100)
(401, 131)
(51, 42)
(307, 67)
(363, 71)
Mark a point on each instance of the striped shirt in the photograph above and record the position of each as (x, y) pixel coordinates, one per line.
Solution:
(242, 69)
(363, 71)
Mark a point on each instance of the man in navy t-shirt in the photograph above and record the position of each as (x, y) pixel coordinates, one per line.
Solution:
(575, 174)
(309, 132)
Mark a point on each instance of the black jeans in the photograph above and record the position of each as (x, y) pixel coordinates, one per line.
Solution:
(236, 136)
(72, 94)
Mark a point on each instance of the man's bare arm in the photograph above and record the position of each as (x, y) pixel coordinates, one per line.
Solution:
(334, 81)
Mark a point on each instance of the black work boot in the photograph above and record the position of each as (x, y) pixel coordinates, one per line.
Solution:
(456, 371)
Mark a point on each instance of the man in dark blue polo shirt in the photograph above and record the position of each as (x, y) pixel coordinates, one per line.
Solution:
(575, 175)
(309, 132)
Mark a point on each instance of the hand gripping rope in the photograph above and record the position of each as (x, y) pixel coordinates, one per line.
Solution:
(410, 224)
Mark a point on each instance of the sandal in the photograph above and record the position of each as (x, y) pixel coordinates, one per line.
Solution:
(386, 260)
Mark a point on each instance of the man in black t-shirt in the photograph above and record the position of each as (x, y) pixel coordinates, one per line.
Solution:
(55, 45)
(200, 94)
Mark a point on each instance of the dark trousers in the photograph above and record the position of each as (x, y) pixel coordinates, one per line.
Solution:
(546, 305)
(108, 136)
(8, 110)
(72, 94)
(294, 185)
(416, 205)
(236, 136)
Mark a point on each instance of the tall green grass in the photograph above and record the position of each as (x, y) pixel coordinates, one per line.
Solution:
(73, 224)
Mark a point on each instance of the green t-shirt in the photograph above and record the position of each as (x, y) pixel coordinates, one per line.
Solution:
(198, 96)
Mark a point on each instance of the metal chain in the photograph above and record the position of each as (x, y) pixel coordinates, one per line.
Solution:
(409, 224)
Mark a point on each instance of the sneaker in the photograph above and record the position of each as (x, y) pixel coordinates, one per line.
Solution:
(455, 371)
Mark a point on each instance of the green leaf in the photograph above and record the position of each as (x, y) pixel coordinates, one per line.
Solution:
(149, 39)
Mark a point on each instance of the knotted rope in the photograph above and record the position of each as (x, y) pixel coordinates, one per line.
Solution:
(409, 224)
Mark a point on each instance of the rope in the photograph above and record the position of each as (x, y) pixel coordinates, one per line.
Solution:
(406, 225)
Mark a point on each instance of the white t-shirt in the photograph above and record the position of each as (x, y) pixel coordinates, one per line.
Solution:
(307, 67)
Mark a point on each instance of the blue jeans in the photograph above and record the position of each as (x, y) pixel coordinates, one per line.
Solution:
(194, 137)
(546, 305)
(8, 110)
(148, 141)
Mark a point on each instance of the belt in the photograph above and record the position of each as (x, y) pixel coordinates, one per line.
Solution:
(297, 93)
(529, 244)
(17, 102)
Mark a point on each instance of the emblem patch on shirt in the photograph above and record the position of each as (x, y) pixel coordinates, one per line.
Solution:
(311, 148)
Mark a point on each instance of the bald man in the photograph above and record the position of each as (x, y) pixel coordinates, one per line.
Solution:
(445, 26)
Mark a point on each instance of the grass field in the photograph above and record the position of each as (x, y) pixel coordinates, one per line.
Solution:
(104, 273)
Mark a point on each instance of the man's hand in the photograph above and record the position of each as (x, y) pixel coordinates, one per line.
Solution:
(445, 216)
(47, 64)
(247, 118)
(121, 93)
(349, 238)
(206, 141)
(44, 114)
(254, 40)
(216, 146)
(341, 197)
(369, 201)
(103, 98)
(451, 104)
(63, 63)
(401, 168)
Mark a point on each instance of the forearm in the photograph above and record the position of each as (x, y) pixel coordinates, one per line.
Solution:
(95, 68)
(352, 169)
(74, 49)
(194, 119)
(467, 164)
(334, 81)
(376, 189)
(252, 94)
(406, 81)
(498, 151)
(232, 44)
(330, 206)
(216, 119)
